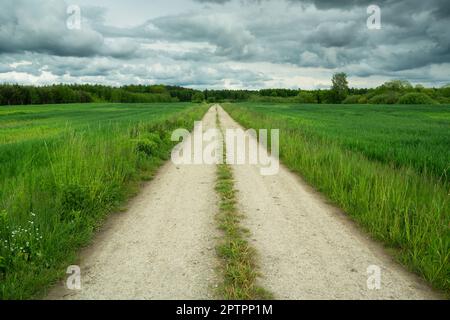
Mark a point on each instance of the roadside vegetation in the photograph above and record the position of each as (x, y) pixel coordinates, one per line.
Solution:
(63, 168)
(238, 257)
(386, 166)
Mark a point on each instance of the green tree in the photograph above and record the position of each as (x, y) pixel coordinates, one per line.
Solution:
(198, 97)
(397, 85)
(339, 89)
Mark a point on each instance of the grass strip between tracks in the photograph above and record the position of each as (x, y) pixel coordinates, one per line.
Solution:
(239, 268)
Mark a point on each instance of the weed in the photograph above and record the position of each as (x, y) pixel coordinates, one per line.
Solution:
(239, 258)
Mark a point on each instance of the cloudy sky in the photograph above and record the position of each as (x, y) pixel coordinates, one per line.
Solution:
(224, 43)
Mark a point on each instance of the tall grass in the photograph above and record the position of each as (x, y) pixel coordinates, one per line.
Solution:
(54, 191)
(399, 203)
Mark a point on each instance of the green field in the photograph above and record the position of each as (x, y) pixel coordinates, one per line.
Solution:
(387, 166)
(62, 169)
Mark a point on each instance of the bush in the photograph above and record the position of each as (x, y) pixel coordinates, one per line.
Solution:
(396, 85)
(148, 144)
(416, 98)
(443, 100)
(352, 99)
(385, 98)
(363, 100)
(306, 97)
(198, 97)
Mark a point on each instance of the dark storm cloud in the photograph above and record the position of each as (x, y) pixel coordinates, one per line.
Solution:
(41, 26)
(198, 48)
(411, 36)
(115, 72)
(229, 35)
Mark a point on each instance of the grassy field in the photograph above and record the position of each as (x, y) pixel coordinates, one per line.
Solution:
(62, 169)
(387, 166)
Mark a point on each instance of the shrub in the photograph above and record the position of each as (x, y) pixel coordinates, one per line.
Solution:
(445, 91)
(198, 97)
(363, 100)
(443, 100)
(306, 97)
(416, 98)
(148, 144)
(385, 98)
(352, 99)
(396, 85)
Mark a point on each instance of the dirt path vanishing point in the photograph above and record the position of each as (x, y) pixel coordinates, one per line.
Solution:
(308, 249)
(163, 247)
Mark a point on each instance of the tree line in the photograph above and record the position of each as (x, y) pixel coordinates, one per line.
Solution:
(391, 92)
(14, 94)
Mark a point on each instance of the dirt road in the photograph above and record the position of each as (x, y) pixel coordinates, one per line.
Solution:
(163, 246)
(308, 249)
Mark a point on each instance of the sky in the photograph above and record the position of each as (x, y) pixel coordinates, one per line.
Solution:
(232, 44)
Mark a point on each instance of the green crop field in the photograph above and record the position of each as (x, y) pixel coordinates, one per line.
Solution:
(62, 169)
(387, 166)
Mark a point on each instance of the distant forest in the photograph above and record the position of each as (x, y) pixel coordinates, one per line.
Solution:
(391, 92)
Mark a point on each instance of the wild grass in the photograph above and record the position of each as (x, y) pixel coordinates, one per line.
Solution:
(239, 267)
(62, 170)
(386, 166)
